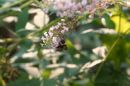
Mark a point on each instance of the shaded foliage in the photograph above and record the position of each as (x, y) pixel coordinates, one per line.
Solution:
(96, 52)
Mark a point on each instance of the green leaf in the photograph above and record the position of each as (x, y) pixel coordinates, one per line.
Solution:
(46, 73)
(23, 32)
(120, 52)
(106, 20)
(22, 19)
(110, 77)
(2, 51)
(2, 83)
(23, 80)
(49, 82)
(2, 1)
(121, 24)
(24, 60)
(23, 47)
(70, 46)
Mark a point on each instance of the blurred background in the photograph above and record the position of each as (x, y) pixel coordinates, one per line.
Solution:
(97, 49)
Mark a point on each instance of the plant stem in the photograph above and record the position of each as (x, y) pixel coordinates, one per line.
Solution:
(26, 4)
(120, 15)
(100, 67)
(11, 5)
(112, 47)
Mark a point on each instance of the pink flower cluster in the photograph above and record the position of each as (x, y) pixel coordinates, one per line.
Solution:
(55, 36)
(71, 8)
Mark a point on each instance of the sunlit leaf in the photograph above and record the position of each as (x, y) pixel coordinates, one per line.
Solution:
(122, 25)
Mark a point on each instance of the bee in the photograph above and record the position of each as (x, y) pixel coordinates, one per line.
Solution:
(58, 42)
(61, 45)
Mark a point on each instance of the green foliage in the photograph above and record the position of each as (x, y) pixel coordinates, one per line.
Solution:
(25, 62)
(22, 19)
(2, 83)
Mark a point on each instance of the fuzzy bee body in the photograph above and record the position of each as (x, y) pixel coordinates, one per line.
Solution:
(61, 45)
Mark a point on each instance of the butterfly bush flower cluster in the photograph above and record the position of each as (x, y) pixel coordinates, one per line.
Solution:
(68, 8)
(55, 36)
(71, 8)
